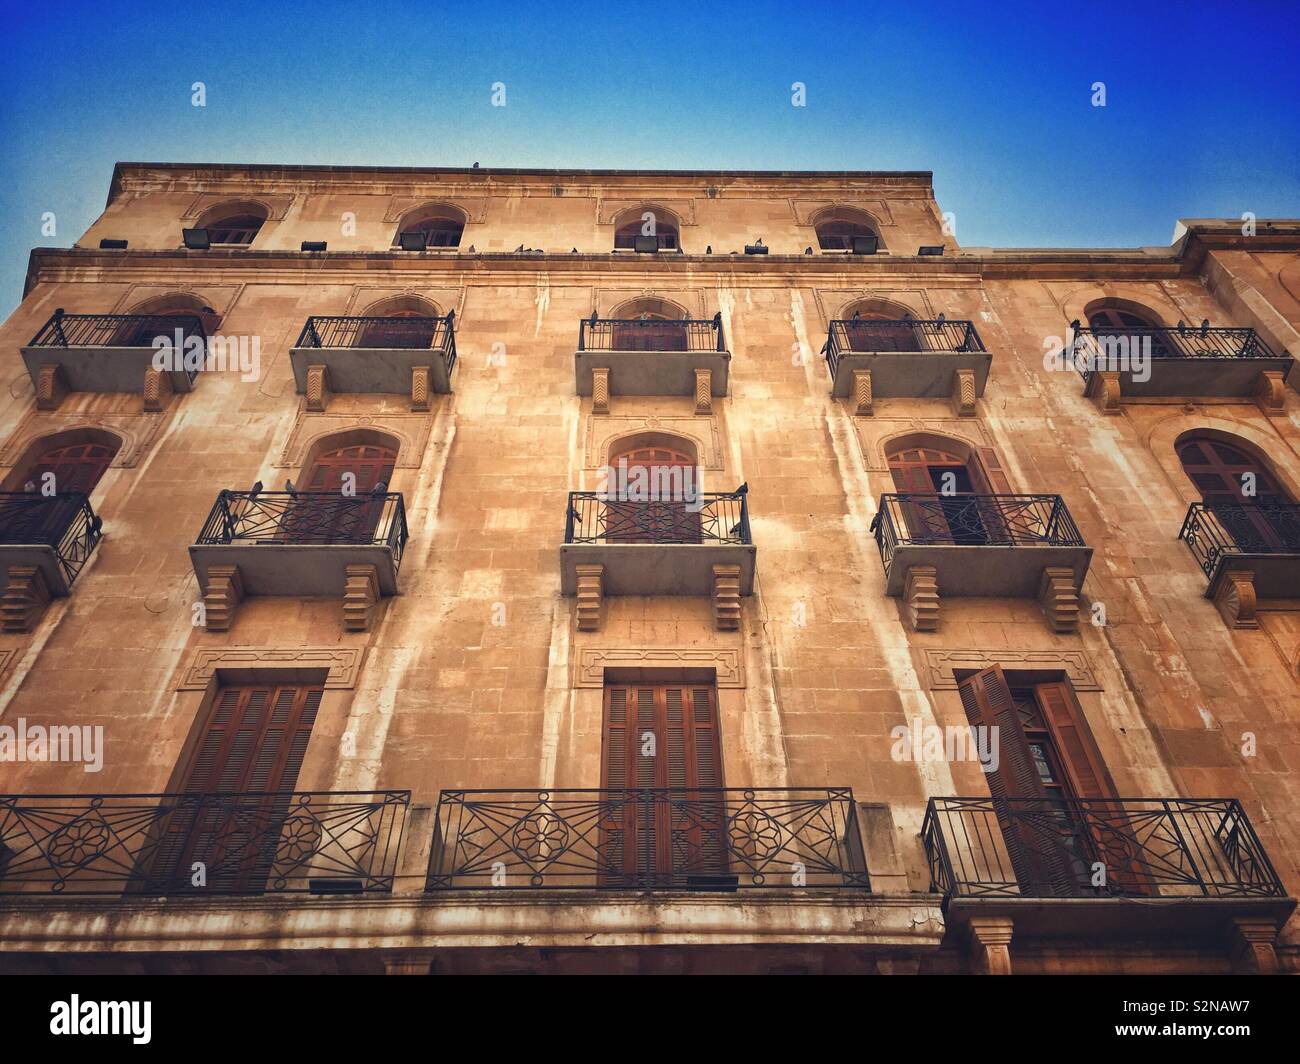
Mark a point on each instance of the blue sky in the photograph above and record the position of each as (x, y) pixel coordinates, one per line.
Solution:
(1202, 114)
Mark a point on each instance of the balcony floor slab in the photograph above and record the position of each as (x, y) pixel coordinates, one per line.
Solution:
(370, 370)
(910, 374)
(306, 570)
(656, 568)
(1228, 377)
(651, 372)
(100, 369)
(986, 571)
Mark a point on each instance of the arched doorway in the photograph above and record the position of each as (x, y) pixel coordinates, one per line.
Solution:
(147, 320)
(1243, 494)
(406, 327)
(880, 329)
(347, 486)
(649, 325)
(1109, 319)
(74, 467)
(655, 485)
(370, 464)
(952, 497)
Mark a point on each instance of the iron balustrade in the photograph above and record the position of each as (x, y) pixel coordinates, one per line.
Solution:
(258, 842)
(869, 335)
(433, 333)
(1215, 530)
(287, 518)
(124, 330)
(972, 520)
(1115, 347)
(670, 517)
(651, 334)
(647, 839)
(1053, 847)
(64, 522)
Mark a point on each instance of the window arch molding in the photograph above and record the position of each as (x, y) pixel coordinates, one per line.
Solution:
(979, 458)
(653, 306)
(443, 223)
(877, 306)
(1129, 308)
(653, 439)
(37, 448)
(628, 225)
(406, 304)
(235, 222)
(835, 227)
(329, 442)
(1166, 436)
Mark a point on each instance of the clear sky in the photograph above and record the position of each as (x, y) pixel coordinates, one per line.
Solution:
(1202, 114)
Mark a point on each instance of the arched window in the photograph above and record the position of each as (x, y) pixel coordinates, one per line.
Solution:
(649, 325)
(949, 499)
(233, 223)
(1113, 319)
(655, 481)
(656, 229)
(73, 467)
(435, 227)
(1242, 493)
(847, 230)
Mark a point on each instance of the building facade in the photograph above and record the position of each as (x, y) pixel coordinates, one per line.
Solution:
(467, 570)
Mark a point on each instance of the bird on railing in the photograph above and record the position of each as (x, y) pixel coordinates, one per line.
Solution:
(473, 250)
(743, 489)
(939, 318)
(379, 490)
(96, 525)
(708, 249)
(519, 249)
(288, 486)
(255, 491)
(594, 318)
(30, 486)
(808, 250)
(573, 251)
(735, 530)
(1205, 326)
(857, 315)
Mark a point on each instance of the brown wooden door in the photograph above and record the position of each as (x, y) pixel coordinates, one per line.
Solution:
(1047, 758)
(664, 517)
(338, 518)
(404, 334)
(661, 774)
(897, 335)
(76, 467)
(949, 515)
(1222, 473)
(253, 742)
(650, 332)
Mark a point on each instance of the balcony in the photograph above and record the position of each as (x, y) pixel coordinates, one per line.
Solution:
(1096, 866)
(700, 545)
(712, 841)
(115, 353)
(1247, 552)
(387, 356)
(1004, 546)
(652, 356)
(903, 358)
(1185, 362)
(301, 544)
(254, 843)
(45, 540)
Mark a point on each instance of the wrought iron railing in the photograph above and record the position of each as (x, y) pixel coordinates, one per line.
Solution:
(973, 520)
(1217, 529)
(308, 517)
(1117, 347)
(116, 330)
(651, 334)
(670, 517)
(901, 334)
(434, 333)
(647, 839)
(1095, 847)
(64, 522)
(322, 842)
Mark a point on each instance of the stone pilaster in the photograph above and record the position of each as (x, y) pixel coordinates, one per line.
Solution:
(726, 597)
(51, 387)
(360, 594)
(24, 599)
(704, 391)
(157, 389)
(222, 596)
(921, 596)
(963, 393)
(1059, 599)
(318, 388)
(600, 390)
(590, 596)
(1235, 599)
(421, 391)
(989, 942)
(862, 392)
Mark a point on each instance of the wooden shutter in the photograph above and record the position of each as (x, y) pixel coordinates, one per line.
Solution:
(988, 703)
(1074, 742)
(989, 469)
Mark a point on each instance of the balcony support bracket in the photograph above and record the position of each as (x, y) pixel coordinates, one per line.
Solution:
(921, 596)
(1252, 946)
(989, 943)
(157, 389)
(590, 596)
(963, 392)
(600, 390)
(24, 600)
(1235, 599)
(1059, 599)
(726, 597)
(1107, 392)
(318, 388)
(421, 387)
(862, 392)
(704, 391)
(1270, 392)
(360, 595)
(51, 387)
(222, 596)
